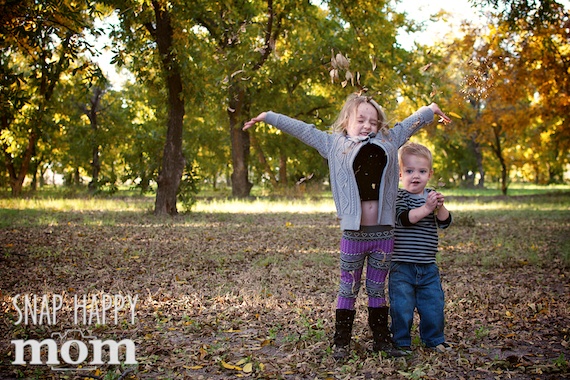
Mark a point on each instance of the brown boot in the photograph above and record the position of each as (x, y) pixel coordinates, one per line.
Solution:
(378, 322)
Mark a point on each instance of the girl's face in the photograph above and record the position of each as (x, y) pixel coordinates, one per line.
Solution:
(415, 173)
(363, 121)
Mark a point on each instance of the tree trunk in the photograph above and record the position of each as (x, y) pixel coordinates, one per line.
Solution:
(76, 177)
(34, 175)
(92, 115)
(504, 175)
(479, 158)
(240, 143)
(498, 148)
(17, 182)
(172, 160)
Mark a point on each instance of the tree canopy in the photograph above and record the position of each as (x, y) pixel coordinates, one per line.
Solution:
(202, 69)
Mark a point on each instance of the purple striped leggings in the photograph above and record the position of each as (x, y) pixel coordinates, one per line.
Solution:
(375, 245)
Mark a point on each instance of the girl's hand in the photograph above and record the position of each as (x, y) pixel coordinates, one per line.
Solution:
(257, 119)
(437, 111)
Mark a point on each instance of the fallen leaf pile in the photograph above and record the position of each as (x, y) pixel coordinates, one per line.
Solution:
(252, 295)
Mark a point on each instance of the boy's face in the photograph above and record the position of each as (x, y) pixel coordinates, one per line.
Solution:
(415, 173)
(363, 121)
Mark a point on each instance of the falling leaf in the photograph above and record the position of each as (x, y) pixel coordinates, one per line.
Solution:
(433, 90)
(333, 60)
(334, 75)
(427, 67)
(342, 61)
(455, 115)
(349, 77)
(236, 73)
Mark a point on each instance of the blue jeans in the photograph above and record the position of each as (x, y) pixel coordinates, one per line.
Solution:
(416, 286)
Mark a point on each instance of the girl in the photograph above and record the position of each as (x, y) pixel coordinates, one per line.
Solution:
(362, 154)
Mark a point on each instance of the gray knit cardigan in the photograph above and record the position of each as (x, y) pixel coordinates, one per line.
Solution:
(340, 151)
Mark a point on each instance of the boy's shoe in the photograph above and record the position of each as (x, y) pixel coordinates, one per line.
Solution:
(390, 350)
(406, 349)
(441, 348)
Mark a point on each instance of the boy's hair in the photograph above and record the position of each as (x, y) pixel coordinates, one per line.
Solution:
(415, 149)
(350, 106)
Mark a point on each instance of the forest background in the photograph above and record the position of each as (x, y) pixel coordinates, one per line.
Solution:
(198, 71)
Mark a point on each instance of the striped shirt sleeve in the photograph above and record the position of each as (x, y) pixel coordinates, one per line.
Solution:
(415, 243)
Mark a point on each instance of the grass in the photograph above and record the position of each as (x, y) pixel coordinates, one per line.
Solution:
(61, 199)
(254, 281)
(515, 189)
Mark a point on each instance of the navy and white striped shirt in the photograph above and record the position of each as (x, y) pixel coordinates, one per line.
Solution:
(415, 243)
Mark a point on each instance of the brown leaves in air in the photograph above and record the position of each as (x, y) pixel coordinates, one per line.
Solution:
(426, 67)
(339, 64)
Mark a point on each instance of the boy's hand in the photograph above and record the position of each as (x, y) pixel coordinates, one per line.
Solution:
(440, 199)
(432, 201)
(441, 212)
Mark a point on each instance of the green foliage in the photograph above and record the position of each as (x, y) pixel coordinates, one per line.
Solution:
(42, 43)
(561, 363)
(188, 188)
(506, 83)
(140, 135)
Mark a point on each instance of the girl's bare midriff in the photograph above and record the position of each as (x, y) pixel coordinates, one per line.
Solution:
(369, 213)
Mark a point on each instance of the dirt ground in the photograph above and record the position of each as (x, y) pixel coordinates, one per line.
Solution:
(221, 296)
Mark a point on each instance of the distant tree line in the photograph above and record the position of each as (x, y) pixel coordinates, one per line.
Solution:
(200, 69)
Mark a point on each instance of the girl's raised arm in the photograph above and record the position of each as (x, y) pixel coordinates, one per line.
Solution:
(437, 111)
(257, 119)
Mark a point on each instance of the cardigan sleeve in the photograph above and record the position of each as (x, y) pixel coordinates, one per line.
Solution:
(403, 130)
(307, 133)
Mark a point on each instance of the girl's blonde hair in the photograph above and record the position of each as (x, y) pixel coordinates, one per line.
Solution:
(350, 106)
(415, 149)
